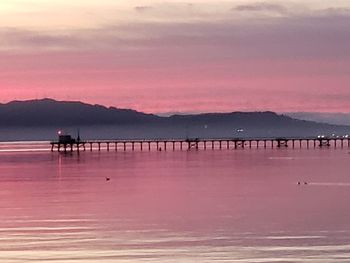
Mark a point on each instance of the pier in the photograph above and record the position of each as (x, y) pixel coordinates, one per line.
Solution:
(199, 144)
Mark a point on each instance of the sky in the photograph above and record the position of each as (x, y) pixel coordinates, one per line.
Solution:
(178, 56)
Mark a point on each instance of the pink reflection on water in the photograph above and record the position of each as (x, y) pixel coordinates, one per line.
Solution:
(200, 206)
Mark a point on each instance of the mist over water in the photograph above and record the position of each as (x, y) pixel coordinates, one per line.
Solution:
(175, 206)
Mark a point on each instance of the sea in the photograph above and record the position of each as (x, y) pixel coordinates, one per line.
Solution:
(242, 205)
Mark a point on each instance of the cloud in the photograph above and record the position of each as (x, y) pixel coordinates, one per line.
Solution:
(32, 40)
(302, 37)
(142, 8)
(332, 11)
(261, 7)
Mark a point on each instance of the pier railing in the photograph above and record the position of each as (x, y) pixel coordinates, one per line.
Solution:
(200, 143)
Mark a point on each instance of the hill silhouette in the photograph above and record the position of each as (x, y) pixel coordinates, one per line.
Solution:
(39, 119)
(49, 112)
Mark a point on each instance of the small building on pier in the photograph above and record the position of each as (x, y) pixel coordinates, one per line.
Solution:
(66, 139)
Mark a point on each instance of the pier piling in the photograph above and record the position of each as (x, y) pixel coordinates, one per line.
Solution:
(203, 143)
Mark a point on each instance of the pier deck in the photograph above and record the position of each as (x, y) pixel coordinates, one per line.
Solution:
(200, 143)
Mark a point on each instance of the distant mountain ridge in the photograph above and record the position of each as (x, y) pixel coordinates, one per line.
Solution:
(48, 115)
(49, 112)
(337, 118)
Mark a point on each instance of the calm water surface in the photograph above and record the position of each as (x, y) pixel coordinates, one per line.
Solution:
(198, 206)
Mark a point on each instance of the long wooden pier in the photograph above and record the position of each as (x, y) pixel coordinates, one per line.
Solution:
(200, 143)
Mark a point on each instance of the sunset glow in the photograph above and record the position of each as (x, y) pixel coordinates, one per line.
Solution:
(174, 56)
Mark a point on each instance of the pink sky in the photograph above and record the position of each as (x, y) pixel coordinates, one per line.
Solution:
(173, 57)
